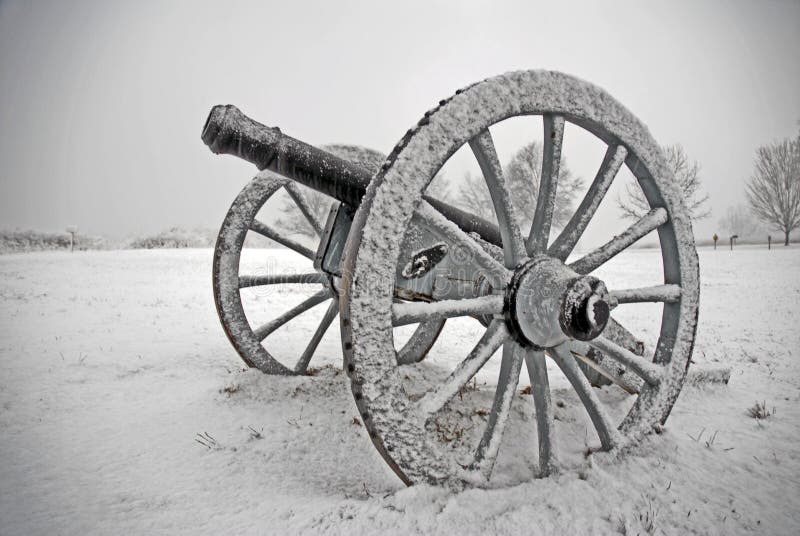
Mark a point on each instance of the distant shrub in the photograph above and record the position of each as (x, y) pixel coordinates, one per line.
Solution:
(178, 237)
(175, 237)
(24, 241)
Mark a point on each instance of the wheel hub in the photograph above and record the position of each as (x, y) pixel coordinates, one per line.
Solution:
(547, 303)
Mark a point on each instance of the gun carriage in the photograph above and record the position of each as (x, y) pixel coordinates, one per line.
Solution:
(391, 255)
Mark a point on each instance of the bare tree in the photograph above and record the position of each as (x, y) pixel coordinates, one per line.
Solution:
(474, 196)
(293, 219)
(739, 221)
(774, 189)
(440, 188)
(633, 204)
(523, 173)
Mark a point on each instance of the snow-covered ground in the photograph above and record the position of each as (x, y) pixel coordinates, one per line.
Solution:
(112, 363)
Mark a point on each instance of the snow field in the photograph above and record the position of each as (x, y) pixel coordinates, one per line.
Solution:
(112, 363)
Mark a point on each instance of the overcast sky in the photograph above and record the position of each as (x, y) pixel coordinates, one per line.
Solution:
(102, 102)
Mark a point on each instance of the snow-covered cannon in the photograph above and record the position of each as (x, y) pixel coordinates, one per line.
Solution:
(391, 255)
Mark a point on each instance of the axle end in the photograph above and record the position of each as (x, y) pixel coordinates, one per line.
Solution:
(585, 311)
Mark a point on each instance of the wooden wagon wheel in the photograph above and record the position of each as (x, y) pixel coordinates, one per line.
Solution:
(540, 306)
(250, 341)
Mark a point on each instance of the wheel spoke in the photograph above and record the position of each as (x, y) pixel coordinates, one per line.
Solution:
(311, 278)
(513, 246)
(405, 313)
(420, 342)
(646, 370)
(546, 200)
(566, 362)
(434, 220)
(591, 261)
(308, 353)
(486, 453)
(617, 333)
(496, 334)
(271, 233)
(656, 293)
(302, 203)
(565, 243)
(589, 356)
(540, 389)
(263, 332)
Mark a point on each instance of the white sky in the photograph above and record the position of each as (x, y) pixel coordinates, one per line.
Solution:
(102, 102)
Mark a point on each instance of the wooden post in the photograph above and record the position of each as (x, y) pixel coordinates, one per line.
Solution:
(72, 229)
(769, 241)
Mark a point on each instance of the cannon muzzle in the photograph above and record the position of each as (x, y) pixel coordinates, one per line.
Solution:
(229, 131)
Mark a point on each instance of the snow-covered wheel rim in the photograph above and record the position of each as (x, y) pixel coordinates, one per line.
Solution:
(228, 279)
(399, 422)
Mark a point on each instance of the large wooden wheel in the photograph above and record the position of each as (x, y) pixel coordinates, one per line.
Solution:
(314, 288)
(539, 306)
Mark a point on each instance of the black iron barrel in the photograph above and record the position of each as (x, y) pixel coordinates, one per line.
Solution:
(229, 131)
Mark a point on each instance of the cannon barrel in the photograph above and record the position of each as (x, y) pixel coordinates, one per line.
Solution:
(229, 131)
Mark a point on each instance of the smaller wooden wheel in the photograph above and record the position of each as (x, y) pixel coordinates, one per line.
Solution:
(314, 288)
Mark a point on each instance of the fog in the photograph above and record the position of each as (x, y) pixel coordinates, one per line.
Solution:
(102, 102)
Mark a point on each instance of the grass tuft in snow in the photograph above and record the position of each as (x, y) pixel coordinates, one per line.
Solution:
(759, 411)
(647, 517)
(230, 389)
(468, 388)
(206, 440)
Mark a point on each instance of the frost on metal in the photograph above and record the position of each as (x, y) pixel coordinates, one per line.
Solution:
(364, 157)
(423, 260)
(400, 431)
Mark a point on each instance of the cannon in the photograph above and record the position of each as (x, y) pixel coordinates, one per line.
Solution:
(392, 255)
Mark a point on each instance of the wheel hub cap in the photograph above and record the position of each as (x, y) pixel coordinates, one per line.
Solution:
(547, 303)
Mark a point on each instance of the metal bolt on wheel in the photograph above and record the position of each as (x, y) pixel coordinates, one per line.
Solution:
(539, 306)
